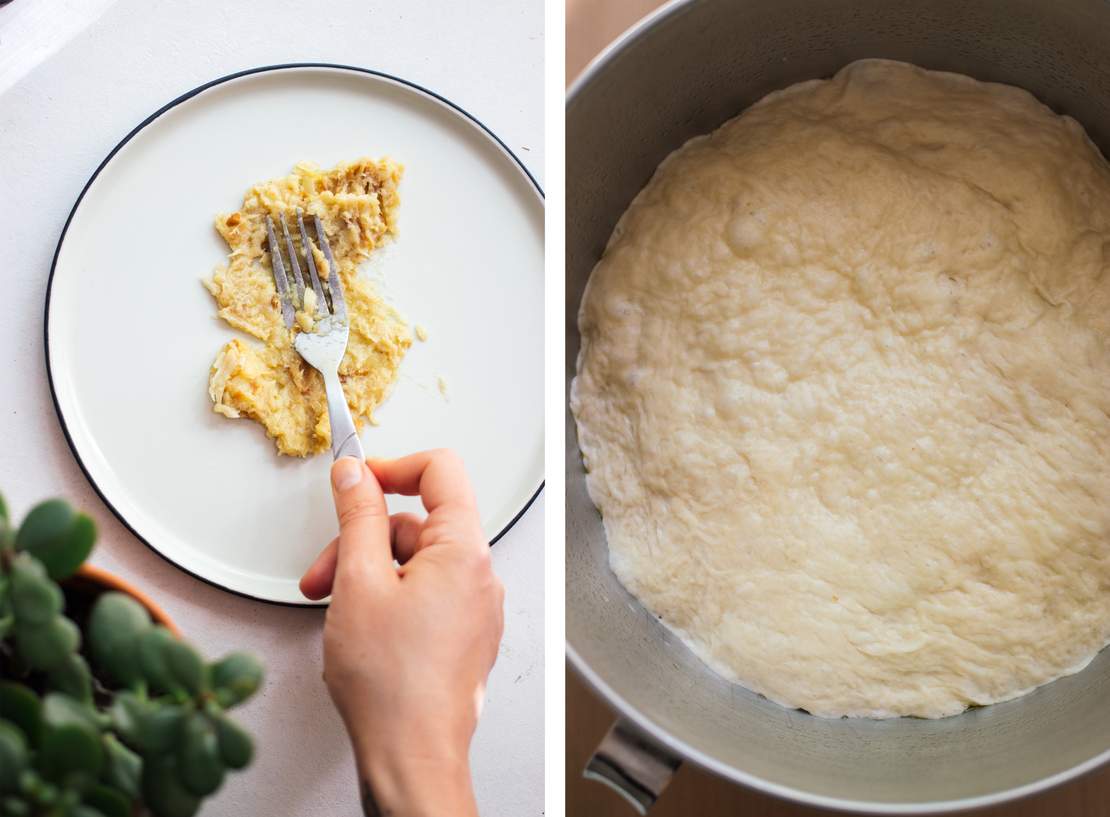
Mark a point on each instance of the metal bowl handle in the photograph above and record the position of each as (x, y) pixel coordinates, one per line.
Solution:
(632, 765)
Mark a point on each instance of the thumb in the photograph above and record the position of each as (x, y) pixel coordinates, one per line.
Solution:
(364, 551)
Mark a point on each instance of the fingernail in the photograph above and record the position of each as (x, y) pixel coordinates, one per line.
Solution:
(346, 473)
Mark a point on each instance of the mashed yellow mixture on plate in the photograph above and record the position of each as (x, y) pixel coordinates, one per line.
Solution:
(268, 381)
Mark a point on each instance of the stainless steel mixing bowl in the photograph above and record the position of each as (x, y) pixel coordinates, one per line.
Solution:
(683, 72)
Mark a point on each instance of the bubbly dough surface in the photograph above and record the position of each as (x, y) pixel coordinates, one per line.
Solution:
(844, 394)
(268, 381)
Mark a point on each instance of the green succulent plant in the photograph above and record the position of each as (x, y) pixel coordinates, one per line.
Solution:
(103, 713)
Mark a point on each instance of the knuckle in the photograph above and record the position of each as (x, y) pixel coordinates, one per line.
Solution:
(444, 455)
(480, 560)
(359, 509)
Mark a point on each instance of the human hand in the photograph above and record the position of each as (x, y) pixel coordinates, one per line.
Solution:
(407, 650)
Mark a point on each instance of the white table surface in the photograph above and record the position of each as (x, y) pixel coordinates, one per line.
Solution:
(63, 106)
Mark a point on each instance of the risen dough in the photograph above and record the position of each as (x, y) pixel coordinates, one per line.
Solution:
(844, 394)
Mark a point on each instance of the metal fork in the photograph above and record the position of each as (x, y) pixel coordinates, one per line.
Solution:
(323, 347)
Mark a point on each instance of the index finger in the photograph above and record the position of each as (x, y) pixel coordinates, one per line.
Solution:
(438, 476)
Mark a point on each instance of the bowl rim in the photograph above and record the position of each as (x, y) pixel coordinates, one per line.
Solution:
(625, 710)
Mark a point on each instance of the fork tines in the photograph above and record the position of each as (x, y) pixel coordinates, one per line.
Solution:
(291, 293)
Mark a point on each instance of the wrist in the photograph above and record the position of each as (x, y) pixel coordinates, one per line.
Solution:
(401, 781)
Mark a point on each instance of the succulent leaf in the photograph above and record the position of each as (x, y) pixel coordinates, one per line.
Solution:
(64, 562)
(7, 535)
(236, 746)
(105, 801)
(13, 806)
(73, 678)
(35, 599)
(44, 524)
(61, 710)
(164, 793)
(128, 711)
(116, 621)
(123, 767)
(57, 536)
(23, 708)
(13, 756)
(236, 678)
(199, 764)
(31, 784)
(71, 754)
(45, 646)
(152, 655)
(160, 729)
(185, 666)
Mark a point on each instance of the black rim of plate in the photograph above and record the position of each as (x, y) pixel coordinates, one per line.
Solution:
(96, 173)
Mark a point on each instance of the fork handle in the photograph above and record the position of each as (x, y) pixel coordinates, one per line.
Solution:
(344, 435)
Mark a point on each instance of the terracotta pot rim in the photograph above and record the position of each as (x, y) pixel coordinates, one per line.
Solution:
(111, 581)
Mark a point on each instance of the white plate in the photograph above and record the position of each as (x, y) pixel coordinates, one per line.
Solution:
(129, 342)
